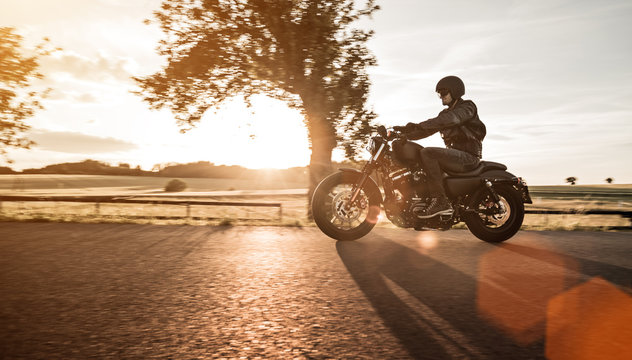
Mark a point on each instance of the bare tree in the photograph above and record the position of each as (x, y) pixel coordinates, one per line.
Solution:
(303, 52)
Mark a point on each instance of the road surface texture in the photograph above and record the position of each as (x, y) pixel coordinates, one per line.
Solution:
(129, 291)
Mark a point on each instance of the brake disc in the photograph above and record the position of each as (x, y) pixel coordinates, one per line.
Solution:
(502, 215)
(352, 213)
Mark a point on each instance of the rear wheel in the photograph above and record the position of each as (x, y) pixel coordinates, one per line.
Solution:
(336, 216)
(495, 222)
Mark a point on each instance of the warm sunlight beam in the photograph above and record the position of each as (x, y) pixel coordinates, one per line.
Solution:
(266, 135)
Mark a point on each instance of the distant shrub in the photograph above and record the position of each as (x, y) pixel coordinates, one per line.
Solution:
(226, 222)
(175, 185)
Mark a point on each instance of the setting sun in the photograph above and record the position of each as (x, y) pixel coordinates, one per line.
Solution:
(267, 135)
(276, 136)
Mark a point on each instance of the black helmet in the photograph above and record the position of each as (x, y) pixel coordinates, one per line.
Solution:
(453, 84)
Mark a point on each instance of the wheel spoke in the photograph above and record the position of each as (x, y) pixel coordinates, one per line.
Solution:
(496, 221)
(494, 215)
(341, 217)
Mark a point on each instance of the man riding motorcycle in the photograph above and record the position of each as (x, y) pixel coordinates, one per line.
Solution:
(462, 132)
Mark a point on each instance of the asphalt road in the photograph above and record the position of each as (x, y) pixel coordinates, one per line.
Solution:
(76, 291)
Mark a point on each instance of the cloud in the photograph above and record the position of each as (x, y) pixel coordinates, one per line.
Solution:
(98, 68)
(77, 143)
(73, 96)
(499, 137)
(86, 98)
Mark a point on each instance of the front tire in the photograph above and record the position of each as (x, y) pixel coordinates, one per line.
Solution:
(334, 217)
(492, 223)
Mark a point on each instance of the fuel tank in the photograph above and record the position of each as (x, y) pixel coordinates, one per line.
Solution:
(407, 153)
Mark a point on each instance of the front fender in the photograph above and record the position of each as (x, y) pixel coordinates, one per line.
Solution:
(370, 184)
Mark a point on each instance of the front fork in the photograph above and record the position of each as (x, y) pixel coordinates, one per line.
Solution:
(358, 186)
(366, 170)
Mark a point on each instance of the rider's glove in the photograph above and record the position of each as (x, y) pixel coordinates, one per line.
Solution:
(410, 127)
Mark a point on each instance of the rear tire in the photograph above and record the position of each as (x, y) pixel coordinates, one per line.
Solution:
(501, 225)
(330, 214)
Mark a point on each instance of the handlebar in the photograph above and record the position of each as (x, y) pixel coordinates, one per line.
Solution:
(381, 130)
(390, 134)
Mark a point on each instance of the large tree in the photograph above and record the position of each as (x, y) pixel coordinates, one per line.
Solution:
(303, 52)
(18, 99)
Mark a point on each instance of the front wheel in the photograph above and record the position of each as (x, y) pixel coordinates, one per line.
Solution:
(338, 218)
(495, 222)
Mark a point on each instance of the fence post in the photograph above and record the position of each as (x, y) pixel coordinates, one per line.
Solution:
(97, 208)
(280, 212)
(188, 210)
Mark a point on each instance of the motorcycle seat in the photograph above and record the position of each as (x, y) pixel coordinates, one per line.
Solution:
(481, 168)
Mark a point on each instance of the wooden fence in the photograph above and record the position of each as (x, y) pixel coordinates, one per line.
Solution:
(624, 214)
(98, 200)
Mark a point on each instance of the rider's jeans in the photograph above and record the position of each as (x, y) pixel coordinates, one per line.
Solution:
(435, 159)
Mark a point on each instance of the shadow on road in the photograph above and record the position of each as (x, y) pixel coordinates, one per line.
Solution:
(429, 306)
(615, 274)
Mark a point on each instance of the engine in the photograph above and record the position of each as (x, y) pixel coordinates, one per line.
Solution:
(409, 196)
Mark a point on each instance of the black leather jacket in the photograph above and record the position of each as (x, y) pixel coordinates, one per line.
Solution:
(459, 126)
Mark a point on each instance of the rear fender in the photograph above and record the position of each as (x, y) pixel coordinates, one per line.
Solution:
(456, 186)
(461, 186)
(504, 177)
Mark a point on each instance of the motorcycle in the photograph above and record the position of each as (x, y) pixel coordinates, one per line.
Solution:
(346, 205)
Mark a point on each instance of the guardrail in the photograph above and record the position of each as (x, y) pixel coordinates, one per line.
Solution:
(580, 194)
(624, 214)
(97, 200)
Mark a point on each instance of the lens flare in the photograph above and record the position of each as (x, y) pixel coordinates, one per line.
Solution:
(374, 215)
(515, 284)
(590, 321)
(427, 240)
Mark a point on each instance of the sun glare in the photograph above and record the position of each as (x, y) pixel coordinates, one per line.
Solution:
(267, 135)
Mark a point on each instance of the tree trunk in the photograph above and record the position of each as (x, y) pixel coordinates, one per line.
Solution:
(319, 168)
(322, 136)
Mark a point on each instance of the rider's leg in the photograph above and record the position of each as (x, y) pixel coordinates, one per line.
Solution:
(434, 160)
(430, 158)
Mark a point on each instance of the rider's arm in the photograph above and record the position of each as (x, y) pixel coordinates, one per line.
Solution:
(415, 132)
(461, 113)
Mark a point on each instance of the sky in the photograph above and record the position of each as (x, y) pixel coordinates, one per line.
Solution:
(550, 80)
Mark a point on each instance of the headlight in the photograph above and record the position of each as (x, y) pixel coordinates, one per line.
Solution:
(372, 147)
(374, 144)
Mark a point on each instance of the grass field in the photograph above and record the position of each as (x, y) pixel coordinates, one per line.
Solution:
(127, 185)
(289, 194)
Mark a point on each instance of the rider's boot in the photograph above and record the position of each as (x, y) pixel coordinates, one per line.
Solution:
(438, 206)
